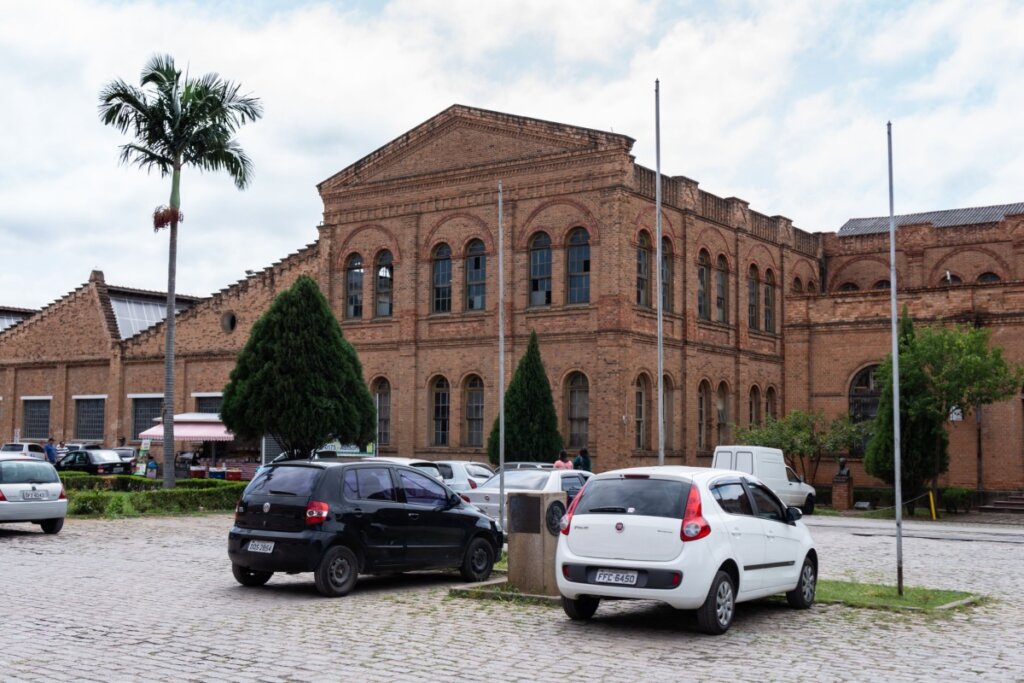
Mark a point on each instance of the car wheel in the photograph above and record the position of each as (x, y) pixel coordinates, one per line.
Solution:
(580, 609)
(337, 572)
(52, 526)
(802, 597)
(808, 506)
(249, 577)
(479, 560)
(714, 617)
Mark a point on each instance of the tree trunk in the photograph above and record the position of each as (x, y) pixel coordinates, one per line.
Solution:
(168, 408)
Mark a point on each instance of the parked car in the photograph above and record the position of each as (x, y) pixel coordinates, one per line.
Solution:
(94, 462)
(126, 453)
(29, 450)
(30, 491)
(768, 465)
(83, 446)
(462, 475)
(422, 465)
(487, 496)
(692, 537)
(340, 519)
(526, 466)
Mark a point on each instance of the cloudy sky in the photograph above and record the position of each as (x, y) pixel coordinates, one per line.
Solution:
(781, 103)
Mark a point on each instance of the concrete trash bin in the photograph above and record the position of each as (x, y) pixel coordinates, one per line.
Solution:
(532, 540)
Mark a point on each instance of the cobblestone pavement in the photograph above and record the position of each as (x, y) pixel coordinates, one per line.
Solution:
(153, 599)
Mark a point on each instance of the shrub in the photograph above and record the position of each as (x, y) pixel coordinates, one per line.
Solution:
(89, 502)
(956, 498)
(213, 496)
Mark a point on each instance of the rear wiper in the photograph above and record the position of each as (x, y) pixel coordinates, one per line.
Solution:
(282, 493)
(607, 508)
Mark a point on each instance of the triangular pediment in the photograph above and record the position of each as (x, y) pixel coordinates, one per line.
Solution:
(463, 137)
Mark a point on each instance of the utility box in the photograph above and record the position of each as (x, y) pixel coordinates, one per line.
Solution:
(533, 529)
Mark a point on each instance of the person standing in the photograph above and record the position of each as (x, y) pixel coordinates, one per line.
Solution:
(582, 461)
(51, 451)
(150, 467)
(62, 450)
(563, 461)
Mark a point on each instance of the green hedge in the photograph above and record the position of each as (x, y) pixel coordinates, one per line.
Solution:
(81, 481)
(221, 496)
(956, 498)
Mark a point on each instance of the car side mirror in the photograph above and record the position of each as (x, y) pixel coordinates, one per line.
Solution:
(793, 514)
(453, 500)
(801, 478)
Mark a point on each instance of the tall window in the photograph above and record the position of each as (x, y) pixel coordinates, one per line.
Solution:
(812, 287)
(382, 400)
(209, 404)
(754, 406)
(144, 413)
(703, 415)
(770, 404)
(642, 399)
(579, 409)
(703, 286)
(441, 404)
(722, 410)
(384, 285)
(35, 419)
(89, 418)
(798, 287)
(441, 301)
(474, 411)
(476, 276)
(354, 287)
(666, 275)
(643, 271)
(666, 388)
(578, 261)
(722, 290)
(864, 395)
(753, 297)
(769, 301)
(540, 270)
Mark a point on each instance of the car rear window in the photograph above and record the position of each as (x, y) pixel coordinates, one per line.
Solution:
(428, 468)
(105, 456)
(446, 471)
(531, 480)
(11, 447)
(285, 480)
(649, 497)
(27, 472)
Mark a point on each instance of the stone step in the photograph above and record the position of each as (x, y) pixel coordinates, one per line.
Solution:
(1003, 506)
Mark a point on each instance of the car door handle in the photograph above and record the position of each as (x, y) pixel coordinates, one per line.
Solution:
(414, 515)
(736, 531)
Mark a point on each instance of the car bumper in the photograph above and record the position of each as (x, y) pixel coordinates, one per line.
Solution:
(34, 511)
(293, 551)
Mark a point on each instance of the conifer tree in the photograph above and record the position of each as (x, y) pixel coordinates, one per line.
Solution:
(531, 425)
(297, 379)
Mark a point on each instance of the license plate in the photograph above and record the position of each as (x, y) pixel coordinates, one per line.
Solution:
(34, 495)
(261, 546)
(625, 577)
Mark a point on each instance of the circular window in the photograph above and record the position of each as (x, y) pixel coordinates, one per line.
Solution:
(228, 322)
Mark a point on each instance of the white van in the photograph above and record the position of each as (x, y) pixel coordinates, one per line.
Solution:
(768, 465)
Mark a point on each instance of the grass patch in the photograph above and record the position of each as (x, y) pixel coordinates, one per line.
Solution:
(876, 596)
(825, 512)
(503, 592)
(921, 513)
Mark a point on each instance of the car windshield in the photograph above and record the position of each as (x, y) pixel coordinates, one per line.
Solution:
(649, 497)
(9, 447)
(104, 456)
(27, 472)
(428, 468)
(530, 480)
(284, 480)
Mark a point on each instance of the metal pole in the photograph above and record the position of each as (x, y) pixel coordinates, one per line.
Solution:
(501, 362)
(658, 257)
(898, 484)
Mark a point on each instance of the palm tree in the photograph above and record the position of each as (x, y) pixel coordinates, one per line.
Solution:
(176, 123)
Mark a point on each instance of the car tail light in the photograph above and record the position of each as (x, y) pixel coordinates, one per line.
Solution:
(694, 525)
(465, 498)
(101, 470)
(567, 517)
(316, 512)
(238, 510)
(62, 495)
(472, 484)
(2, 499)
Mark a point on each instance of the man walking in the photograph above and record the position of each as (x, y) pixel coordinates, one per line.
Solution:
(582, 461)
(51, 451)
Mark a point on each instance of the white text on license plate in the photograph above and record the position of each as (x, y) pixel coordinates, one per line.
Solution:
(261, 546)
(33, 495)
(627, 577)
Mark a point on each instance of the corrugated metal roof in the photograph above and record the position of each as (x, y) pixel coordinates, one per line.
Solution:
(940, 219)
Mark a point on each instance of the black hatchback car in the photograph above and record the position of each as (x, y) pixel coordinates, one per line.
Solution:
(342, 519)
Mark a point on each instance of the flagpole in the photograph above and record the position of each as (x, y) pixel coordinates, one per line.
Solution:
(898, 484)
(658, 277)
(501, 362)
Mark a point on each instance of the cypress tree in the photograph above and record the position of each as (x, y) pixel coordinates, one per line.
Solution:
(297, 378)
(531, 425)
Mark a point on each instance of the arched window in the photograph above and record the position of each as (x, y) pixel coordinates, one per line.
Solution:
(384, 285)
(578, 396)
(666, 390)
(950, 279)
(722, 413)
(703, 415)
(754, 406)
(666, 275)
(643, 270)
(722, 290)
(578, 266)
(864, 395)
(881, 284)
(987, 278)
(798, 287)
(382, 400)
(771, 410)
(848, 287)
(540, 270)
(441, 302)
(354, 287)
(703, 286)
(441, 407)
(641, 423)
(769, 301)
(476, 276)
(753, 299)
(473, 399)
(812, 287)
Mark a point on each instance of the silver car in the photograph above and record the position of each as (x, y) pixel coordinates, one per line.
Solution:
(487, 497)
(30, 491)
(462, 475)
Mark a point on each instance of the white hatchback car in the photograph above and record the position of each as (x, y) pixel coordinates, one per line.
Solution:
(691, 537)
(30, 491)
(487, 496)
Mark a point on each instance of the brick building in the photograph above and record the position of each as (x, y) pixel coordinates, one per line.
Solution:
(760, 317)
